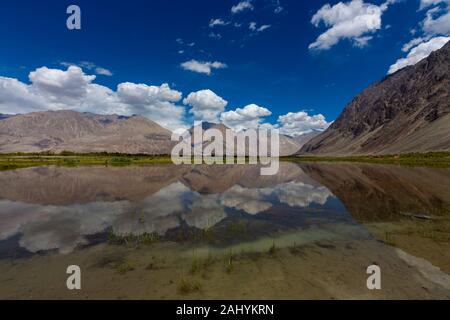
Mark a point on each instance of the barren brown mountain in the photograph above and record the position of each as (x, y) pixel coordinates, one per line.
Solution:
(288, 145)
(82, 132)
(73, 131)
(305, 138)
(408, 111)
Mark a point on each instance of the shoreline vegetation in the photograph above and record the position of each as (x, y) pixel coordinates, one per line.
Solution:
(429, 159)
(24, 160)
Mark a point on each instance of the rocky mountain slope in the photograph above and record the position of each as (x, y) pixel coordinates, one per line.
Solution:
(408, 111)
(288, 145)
(82, 132)
(305, 138)
(66, 130)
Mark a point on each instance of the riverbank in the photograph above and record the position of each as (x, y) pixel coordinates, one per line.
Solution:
(431, 159)
(16, 161)
(24, 160)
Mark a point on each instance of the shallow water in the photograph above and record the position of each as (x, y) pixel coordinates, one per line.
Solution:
(157, 232)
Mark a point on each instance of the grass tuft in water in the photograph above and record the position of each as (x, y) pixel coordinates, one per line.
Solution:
(186, 286)
(389, 239)
(229, 265)
(196, 263)
(124, 268)
(151, 266)
(132, 240)
(273, 249)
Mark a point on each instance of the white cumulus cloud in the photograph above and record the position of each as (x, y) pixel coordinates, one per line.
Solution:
(90, 66)
(291, 124)
(103, 71)
(242, 6)
(412, 43)
(217, 22)
(427, 3)
(202, 66)
(249, 117)
(354, 20)
(298, 123)
(17, 97)
(435, 32)
(419, 52)
(72, 89)
(253, 26)
(60, 85)
(437, 20)
(206, 105)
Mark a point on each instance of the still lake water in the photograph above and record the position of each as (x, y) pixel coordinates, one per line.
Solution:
(210, 232)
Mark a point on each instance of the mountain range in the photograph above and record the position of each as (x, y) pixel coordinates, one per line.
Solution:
(66, 130)
(288, 145)
(408, 111)
(83, 132)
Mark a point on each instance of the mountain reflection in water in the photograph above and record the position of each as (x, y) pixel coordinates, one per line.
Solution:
(59, 208)
(310, 231)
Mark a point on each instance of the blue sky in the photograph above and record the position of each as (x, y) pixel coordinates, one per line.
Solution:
(268, 56)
